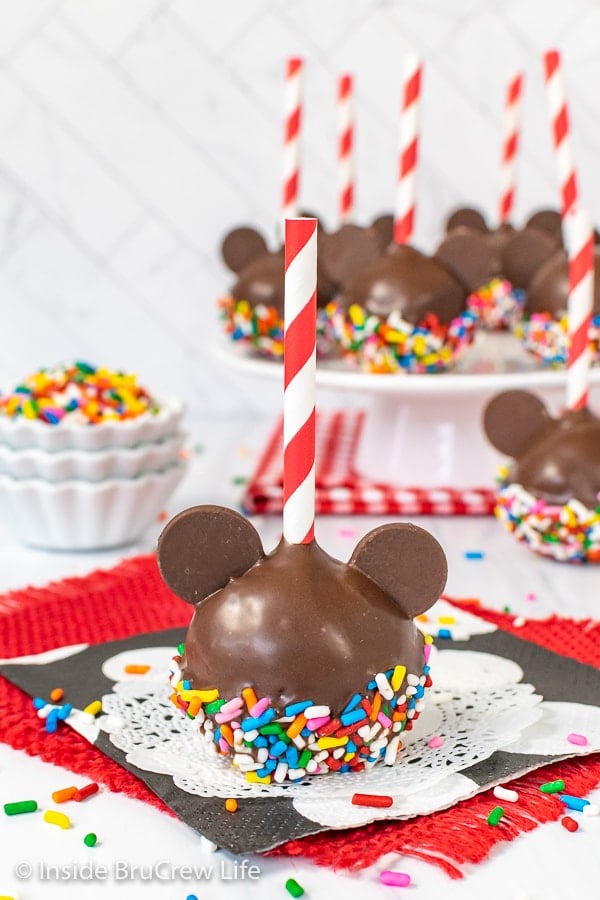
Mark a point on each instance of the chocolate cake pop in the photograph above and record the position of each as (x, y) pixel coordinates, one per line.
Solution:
(496, 264)
(550, 496)
(398, 311)
(295, 662)
(253, 312)
(543, 328)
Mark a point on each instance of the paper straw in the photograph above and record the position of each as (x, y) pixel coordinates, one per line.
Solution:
(580, 242)
(299, 367)
(561, 130)
(345, 123)
(292, 109)
(409, 139)
(510, 142)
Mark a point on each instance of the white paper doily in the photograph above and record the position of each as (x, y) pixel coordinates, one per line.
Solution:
(502, 714)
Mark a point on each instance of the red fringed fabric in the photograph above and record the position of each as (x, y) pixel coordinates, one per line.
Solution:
(132, 598)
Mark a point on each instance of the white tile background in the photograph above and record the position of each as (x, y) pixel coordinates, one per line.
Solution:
(135, 133)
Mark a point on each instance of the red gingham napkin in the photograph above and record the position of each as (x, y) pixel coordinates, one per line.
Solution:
(341, 491)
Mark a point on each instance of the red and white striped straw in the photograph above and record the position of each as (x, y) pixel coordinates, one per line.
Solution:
(510, 144)
(345, 123)
(292, 110)
(580, 243)
(404, 218)
(299, 367)
(561, 130)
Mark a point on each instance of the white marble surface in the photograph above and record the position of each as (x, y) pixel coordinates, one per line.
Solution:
(133, 135)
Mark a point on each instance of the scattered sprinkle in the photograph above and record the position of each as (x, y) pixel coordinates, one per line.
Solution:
(64, 794)
(569, 823)
(530, 596)
(552, 787)
(435, 742)
(56, 695)
(57, 818)
(506, 609)
(90, 839)
(231, 804)
(502, 793)
(394, 879)
(162, 516)
(519, 622)
(239, 479)
(22, 806)
(381, 801)
(93, 708)
(87, 791)
(293, 888)
(349, 533)
(474, 554)
(579, 739)
(571, 802)
(136, 670)
(495, 815)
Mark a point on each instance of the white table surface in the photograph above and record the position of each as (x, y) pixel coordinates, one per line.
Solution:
(546, 864)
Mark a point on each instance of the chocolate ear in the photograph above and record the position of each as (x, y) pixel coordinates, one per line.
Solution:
(406, 562)
(383, 226)
(241, 246)
(512, 419)
(467, 217)
(468, 255)
(548, 221)
(524, 254)
(343, 252)
(203, 548)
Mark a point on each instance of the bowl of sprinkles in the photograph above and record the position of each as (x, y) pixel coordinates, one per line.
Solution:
(78, 405)
(88, 457)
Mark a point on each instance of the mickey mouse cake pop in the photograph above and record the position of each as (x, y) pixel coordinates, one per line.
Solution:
(550, 496)
(295, 663)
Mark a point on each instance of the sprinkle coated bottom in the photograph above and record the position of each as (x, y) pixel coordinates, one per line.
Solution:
(547, 338)
(569, 533)
(303, 739)
(496, 304)
(261, 328)
(395, 345)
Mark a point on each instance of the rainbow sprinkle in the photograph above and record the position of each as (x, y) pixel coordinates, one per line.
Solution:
(496, 304)
(547, 338)
(569, 533)
(395, 345)
(269, 744)
(261, 328)
(77, 392)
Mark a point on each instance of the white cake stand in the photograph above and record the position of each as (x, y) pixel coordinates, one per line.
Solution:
(425, 430)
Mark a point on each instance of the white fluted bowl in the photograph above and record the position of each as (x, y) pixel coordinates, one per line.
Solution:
(85, 465)
(83, 515)
(69, 434)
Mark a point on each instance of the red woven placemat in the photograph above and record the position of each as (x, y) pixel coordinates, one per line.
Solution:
(339, 490)
(132, 598)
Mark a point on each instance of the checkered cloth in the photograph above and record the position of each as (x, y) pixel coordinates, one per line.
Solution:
(341, 491)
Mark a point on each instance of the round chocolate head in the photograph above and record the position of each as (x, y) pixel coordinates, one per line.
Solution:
(466, 217)
(556, 460)
(297, 624)
(261, 273)
(471, 250)
(549, 288)
(409, 283)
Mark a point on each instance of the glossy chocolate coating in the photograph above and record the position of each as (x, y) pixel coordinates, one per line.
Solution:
(299, 625)
(408, 282)
(549, 289)
(556, 460)
(524, 253)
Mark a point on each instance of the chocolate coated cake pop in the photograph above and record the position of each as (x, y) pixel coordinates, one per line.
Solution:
(550, 495)
(297, 633)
